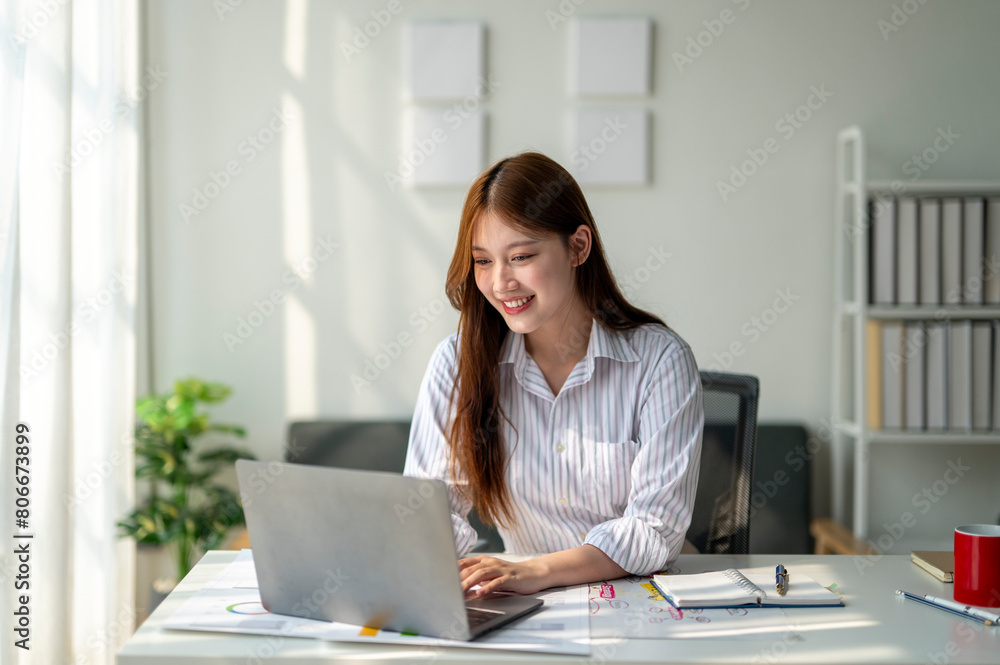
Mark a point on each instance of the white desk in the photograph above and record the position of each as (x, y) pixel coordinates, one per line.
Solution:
(874, 627)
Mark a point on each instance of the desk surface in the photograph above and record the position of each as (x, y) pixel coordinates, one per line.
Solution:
(874, 627)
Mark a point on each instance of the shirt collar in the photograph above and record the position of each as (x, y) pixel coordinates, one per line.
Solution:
(603, 343)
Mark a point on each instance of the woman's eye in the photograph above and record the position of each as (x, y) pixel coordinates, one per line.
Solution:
(480, 262)
(523, 257)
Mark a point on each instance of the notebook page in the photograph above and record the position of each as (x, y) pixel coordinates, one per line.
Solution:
(704, 590)
(801, 589)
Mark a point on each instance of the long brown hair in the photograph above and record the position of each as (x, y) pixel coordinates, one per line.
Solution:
(539, 197)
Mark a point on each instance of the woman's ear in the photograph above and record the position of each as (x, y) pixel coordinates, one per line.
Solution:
(579, 244)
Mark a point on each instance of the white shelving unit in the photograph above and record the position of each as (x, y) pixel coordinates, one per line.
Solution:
(853, 311)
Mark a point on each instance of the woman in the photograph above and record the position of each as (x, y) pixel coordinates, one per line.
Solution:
(569, 418)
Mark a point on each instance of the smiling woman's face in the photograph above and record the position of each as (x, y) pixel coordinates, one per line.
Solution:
(530, 281)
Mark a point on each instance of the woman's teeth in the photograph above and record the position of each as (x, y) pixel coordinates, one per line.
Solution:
(516, 303)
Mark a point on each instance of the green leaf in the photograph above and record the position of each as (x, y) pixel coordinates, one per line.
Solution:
(184, 508)
(226, 455)
(215, 392)
(230, 429)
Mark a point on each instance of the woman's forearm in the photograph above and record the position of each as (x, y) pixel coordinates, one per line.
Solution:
(578, 565)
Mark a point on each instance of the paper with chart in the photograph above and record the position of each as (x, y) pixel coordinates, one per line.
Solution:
(230, 603)
(632, 607)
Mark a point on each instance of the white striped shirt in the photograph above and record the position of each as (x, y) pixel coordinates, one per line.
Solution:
(611, 461)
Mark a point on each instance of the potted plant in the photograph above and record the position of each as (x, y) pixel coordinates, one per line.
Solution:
(186, 508)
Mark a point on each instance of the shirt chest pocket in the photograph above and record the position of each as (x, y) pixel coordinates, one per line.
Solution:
(607, 469)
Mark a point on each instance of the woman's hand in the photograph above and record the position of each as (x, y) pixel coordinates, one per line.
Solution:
(492, 574)
(578, 565)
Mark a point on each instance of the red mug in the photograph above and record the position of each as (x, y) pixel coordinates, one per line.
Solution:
(977, 565)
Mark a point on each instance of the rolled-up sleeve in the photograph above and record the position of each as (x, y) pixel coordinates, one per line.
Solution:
(664, 473)
(427, 451)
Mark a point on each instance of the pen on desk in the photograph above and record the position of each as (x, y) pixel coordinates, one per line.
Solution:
(966, 611)
(781, 580)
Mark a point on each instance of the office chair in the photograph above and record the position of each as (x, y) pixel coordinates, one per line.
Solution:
(378, 445)
(720, 523)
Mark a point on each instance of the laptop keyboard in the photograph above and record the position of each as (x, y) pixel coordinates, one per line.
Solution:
(479, 617)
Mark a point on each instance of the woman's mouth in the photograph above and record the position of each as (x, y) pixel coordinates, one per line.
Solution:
(517, 305)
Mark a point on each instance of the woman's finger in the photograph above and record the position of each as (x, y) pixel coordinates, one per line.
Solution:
(477, 577)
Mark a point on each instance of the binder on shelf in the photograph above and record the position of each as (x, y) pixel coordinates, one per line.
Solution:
(893, 386)
(960, 375)
(951, 251)
(991, 251)
(915, 346)
(982, 343)
(936, 383)
(907, 251)
(930, 252)
(972, 252)
(883, 254)
(873, 373)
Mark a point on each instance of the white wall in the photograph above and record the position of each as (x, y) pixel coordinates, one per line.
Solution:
(323, 177)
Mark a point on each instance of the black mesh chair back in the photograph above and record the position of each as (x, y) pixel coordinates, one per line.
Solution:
(721, 518)
(369, 446)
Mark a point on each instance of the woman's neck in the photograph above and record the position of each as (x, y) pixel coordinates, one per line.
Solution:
(563, 339)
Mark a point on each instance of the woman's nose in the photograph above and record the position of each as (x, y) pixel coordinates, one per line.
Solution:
(503, 279)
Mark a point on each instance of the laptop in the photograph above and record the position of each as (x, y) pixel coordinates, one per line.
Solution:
(362, 547)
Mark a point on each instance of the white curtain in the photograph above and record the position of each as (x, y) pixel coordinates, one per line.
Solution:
(70, 88)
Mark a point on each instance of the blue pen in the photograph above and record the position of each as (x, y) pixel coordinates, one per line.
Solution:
(955, 608)
(781, 580)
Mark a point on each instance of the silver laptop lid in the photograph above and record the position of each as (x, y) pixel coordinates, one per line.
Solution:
(361, 547)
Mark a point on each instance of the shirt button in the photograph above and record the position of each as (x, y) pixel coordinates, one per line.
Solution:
(560, 447)
(562, 500)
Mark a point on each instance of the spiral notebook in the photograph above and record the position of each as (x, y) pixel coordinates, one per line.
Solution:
(750, 587)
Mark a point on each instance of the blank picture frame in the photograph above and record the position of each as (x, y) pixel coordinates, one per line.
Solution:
(611, 56)
(442, 147)
(444, 60)
(610, 146)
